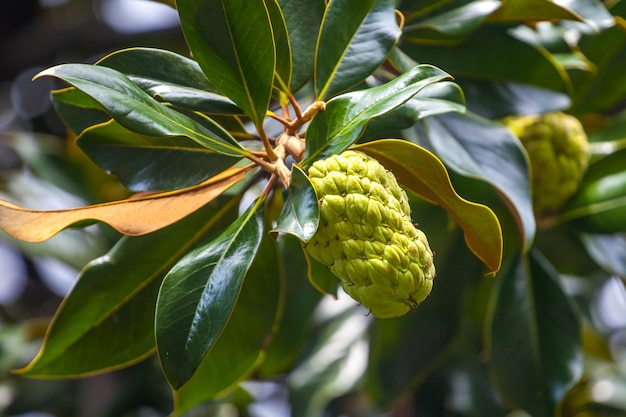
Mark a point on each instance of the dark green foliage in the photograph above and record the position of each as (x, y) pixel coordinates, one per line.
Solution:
(227, 294)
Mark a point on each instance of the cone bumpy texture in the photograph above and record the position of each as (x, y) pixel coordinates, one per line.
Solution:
(558, 149)
(366, 235)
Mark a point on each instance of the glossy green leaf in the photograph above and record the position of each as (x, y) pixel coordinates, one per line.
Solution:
(599, 205)
(435, 99)
(438, 98)
(303, 19)
(612, 133)
(474, 58)
(232, 41)
(355, 38)
(451, 24)
(550, 36)
(595, 14)
(421, 172)
(478, 148)
(334, 129)
(495, 99)
(563, 247)
(604, 87)
(198, 296)
(300, 300)
(610, 138)
(145, 163)
(417, 8)
(187, 97)
(232, 123)
(137, 111)
(535, 348)
(299, 216)
(78, 110)
(241, 347)
(282, 75)
(158, 64)
(406, 350)
(113, 301)
(235, 125)
(532, 10)
(609, 251)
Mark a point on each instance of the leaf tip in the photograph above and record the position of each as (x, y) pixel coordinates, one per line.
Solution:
(492, 273)
(45, 73)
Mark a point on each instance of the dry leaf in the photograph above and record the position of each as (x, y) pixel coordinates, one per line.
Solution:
(132, 217)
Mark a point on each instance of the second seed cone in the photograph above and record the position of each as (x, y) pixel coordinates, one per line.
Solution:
(558, 150)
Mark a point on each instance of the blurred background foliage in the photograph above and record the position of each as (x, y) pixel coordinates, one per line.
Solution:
(534, 66)
(41, 167)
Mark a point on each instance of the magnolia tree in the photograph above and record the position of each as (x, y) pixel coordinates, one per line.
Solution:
(385, 206)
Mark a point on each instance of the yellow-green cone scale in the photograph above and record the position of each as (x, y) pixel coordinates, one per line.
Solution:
(558, 151)
(366, 235)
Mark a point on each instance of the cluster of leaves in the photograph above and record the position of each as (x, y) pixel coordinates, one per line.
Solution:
(211, 274)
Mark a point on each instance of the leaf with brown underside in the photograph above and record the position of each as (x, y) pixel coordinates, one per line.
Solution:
(132, 217)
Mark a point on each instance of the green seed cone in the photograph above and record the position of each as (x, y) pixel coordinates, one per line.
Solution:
(366, 236)
(558, 149)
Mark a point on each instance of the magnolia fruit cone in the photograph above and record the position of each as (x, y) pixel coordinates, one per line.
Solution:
(366, 236)
(558, 150)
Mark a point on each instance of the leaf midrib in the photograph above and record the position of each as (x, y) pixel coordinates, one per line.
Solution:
(155, 110)
(228, 246)
(357, 118)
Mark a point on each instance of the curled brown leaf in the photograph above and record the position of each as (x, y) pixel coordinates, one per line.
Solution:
(132, 217)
